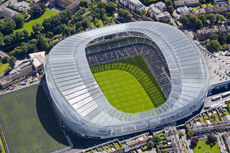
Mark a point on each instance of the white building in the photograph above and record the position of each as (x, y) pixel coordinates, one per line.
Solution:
(134, 5)
(38, 60)
(156, 12)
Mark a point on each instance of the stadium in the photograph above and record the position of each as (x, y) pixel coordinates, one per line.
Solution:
(126, 78)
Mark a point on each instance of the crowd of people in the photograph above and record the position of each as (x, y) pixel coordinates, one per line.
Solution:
(116, 50)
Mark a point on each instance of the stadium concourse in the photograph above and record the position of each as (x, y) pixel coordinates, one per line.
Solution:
(176, 62)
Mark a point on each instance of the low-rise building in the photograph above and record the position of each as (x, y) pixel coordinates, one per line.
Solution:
(217, 2)
(226, 118)
(157, 13)
(205, 33)
(38, 60)
(72, 5)
(198, 11)
(188, 3)
(226, 137)
(218, 9)
(6, 12)
(134, 5)
(184, 10)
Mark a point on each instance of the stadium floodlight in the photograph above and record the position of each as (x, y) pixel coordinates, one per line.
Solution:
(82, 106)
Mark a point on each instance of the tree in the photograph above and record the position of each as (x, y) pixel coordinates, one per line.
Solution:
(193, 19)
(25, 33)
(213, 45)
(219, 18)
(212, 138)
(189, 134)
(36, 10)
(213, 36)
(228, 38)
(228, 15)
(19, 35)
(9, 26)
(203, 18)
(170, 9)
(168, 3)
(194, 141)
(11, 61)
(198, 24)
(150, 145)
(125, 15)
(221, 38)
(84, 3)
(19, 20)
(185, 21)
(212, 18)
(8, 39)
(4, 60)
(37, 28)
(156, 139)
(43, 43)
(110, 8)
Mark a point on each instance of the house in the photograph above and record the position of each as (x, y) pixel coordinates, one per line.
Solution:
(38, 60)
(184, 10)
(6, 12)
(160, 5)
(72, 5)
(226, 137)
(134, 5)
(218, 9)
(157, 13)
(226, 118)
(217, 2)
(205, 33)
(188, 3)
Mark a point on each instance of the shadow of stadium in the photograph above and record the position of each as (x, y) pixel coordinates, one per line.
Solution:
(47, 117)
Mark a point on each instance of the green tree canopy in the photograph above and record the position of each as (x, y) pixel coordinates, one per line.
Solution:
(37, 28)
(19, 20)
(213, 36)
(198, 24)
(84, 3)
(125, 15)
(11, 61)
(156, 139)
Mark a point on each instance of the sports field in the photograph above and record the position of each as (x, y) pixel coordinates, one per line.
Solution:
(129, 85)
(28, 122)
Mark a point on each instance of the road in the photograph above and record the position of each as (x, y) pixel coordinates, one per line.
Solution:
(3, 54)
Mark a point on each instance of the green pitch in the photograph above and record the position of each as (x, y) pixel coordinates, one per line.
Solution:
(28, 122)
(129, 85)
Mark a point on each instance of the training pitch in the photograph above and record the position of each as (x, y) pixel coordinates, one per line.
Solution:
(129, 85)
(28, 122)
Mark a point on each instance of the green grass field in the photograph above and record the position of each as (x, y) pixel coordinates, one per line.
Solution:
(28, 25)
(4, 67)
(205, 147)
(28, 122)
(129, 85)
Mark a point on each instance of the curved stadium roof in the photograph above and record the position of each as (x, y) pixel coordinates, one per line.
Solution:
(82, 106)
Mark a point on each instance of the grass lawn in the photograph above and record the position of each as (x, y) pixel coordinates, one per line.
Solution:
(129, 85)
(1, 144)
(123, 91)
(29, 123)
(202, 120)
(206, 147)
(4, 67)
(28, 25)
